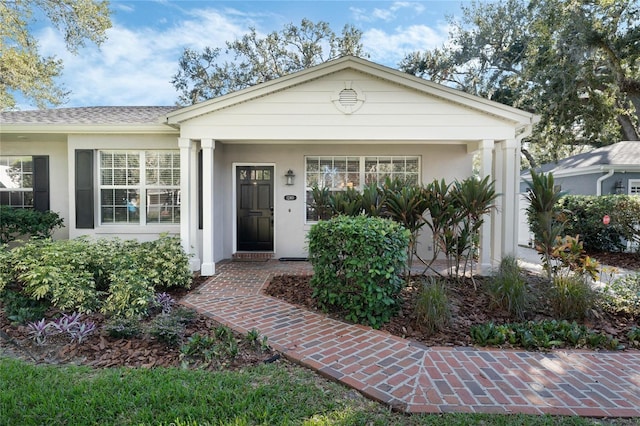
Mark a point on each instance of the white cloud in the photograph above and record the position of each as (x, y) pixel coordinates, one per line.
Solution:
(388, 14)
(391, 48)
(135, 66)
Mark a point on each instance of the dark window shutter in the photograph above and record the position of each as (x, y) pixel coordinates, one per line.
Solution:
(200, 189)
(84, 189)
(41, 183)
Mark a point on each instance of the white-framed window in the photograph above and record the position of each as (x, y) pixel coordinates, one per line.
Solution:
(634, 186)
(16, 181)
(139, 187)
(337, 173)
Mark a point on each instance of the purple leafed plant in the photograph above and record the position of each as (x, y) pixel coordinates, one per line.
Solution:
(165, 302)
(82, 330)
(39, 330)
(67, 323)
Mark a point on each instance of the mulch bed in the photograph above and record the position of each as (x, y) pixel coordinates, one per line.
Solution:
(469, 307)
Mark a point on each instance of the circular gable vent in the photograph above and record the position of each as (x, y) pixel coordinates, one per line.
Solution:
(349, 99)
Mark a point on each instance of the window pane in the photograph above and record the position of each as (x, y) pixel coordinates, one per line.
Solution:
(15, 172)
(27, 180)
(163, 206)
(106, 160)
(106, 177)
(120, 206)
(152, 177)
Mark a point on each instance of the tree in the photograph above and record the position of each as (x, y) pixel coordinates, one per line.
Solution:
(574, 62)
(22, 68)
(202, 75)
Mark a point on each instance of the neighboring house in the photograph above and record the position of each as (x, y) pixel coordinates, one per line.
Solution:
(219, 173)
(613, 169)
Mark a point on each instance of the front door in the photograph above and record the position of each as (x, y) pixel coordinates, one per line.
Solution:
(255, 208)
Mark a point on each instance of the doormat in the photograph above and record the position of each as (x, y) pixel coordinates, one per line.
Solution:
(251, 257)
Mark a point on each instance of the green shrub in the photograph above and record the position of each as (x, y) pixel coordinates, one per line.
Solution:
(165, 262)
(57, 271)
(123, 328)
(22, 309)
(586, 216)
(167, 329)
(571, 296)
(16, 222)
(78, 275)
(622, 296)
(634, 336)
(432, 306)
(6, 273)
(357, 263)
(130, 292)
(508, 289)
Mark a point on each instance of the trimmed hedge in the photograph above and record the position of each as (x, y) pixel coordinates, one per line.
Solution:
(358, 264)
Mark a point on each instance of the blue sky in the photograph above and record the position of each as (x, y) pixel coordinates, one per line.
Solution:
(135, 65)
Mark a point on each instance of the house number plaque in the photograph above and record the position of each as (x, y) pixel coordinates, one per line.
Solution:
(290, 197)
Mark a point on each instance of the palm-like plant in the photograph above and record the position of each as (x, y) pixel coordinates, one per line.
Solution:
(406, 205)
(544, 217)
(373, 200)
(475, 198)
(348, 203)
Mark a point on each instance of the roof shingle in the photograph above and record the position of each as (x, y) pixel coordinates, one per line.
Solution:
(88, 115)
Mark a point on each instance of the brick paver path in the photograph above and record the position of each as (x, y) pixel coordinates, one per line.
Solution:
(415, 378)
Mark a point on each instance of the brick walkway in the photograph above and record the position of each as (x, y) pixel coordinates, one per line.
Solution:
(415, 378)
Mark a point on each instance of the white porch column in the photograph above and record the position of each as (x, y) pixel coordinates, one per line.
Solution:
(188, 204)
(510, 190)
(498, 212)
(486, 164)
(208, 149)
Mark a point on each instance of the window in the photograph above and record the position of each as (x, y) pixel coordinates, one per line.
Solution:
(139, 187)
(16, 181)
(340, 173)
(634, 186)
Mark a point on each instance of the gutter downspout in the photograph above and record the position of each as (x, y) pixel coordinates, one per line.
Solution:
(601, 179)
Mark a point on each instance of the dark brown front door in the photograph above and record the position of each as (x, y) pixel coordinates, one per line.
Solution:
(255, 208)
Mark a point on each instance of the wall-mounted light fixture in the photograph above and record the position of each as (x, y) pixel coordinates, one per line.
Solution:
(289, 176)
(619, 187)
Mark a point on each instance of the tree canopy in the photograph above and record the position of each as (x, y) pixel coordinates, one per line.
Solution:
(22, 68)
(204, 75)
(574, 62)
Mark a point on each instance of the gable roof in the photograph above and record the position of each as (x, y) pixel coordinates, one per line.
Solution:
(618, 154)
(522, 118)
(623, 155)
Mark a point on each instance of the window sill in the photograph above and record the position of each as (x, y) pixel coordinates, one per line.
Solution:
(137, 229)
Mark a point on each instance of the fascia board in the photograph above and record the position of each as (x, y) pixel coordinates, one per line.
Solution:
(88, 129)
(560, 173)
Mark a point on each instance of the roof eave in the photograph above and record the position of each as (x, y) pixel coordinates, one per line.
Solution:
(598, 168)
(50, 128)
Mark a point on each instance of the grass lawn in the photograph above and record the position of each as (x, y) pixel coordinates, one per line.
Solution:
(272, 394)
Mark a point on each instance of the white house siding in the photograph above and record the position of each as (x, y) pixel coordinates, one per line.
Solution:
(56, 148)
(389, 113)
(114, 142)
(437, 161)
